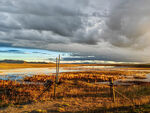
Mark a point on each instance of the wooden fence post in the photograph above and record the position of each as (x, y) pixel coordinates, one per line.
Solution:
(112, 90)
(55, 77)
(57, 72)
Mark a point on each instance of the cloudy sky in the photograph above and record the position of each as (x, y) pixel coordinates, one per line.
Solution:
(81, 30)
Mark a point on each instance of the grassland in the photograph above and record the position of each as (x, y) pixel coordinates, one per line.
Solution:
(30, 65)
(39, 65)
(76, 92)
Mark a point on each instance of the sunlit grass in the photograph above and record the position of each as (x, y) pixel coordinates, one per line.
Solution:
(76, 91)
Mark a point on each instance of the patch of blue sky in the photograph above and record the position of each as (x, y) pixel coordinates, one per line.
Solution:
(13, 53)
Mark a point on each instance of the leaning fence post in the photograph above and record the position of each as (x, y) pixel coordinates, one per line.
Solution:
(112, 90)
(55, 78)
(58, 63)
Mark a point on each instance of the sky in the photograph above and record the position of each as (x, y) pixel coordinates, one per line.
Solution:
(79, 30)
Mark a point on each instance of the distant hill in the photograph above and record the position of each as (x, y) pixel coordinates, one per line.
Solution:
(12, 61)
(83, 64)
(21, 62)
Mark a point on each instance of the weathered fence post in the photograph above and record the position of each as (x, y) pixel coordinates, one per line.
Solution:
(55, 79)
(57, 72)
(112, 90)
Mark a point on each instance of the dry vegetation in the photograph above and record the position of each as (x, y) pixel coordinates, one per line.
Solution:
(38, 65)
(88, 76)
(76, 92)
(32, 65)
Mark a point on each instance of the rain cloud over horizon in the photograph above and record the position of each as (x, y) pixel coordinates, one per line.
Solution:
(111, 30)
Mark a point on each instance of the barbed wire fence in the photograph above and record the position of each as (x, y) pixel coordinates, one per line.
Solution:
(15, 92)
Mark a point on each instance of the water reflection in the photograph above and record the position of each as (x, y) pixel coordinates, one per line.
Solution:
(19, 74)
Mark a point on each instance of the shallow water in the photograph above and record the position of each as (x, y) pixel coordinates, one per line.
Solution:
(128, 81)
(132, 80)
(19, 74)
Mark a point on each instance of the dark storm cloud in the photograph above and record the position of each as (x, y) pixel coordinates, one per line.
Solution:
(12, 51)
(106, 29)
(83, 58)
(67, 19)
(61, 25)
(5, 44)
(128, 24)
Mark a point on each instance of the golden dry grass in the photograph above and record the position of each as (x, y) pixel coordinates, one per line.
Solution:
(88, 76)
(32, 65)
(76, 92)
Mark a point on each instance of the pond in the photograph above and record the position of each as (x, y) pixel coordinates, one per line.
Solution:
(19, 74)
